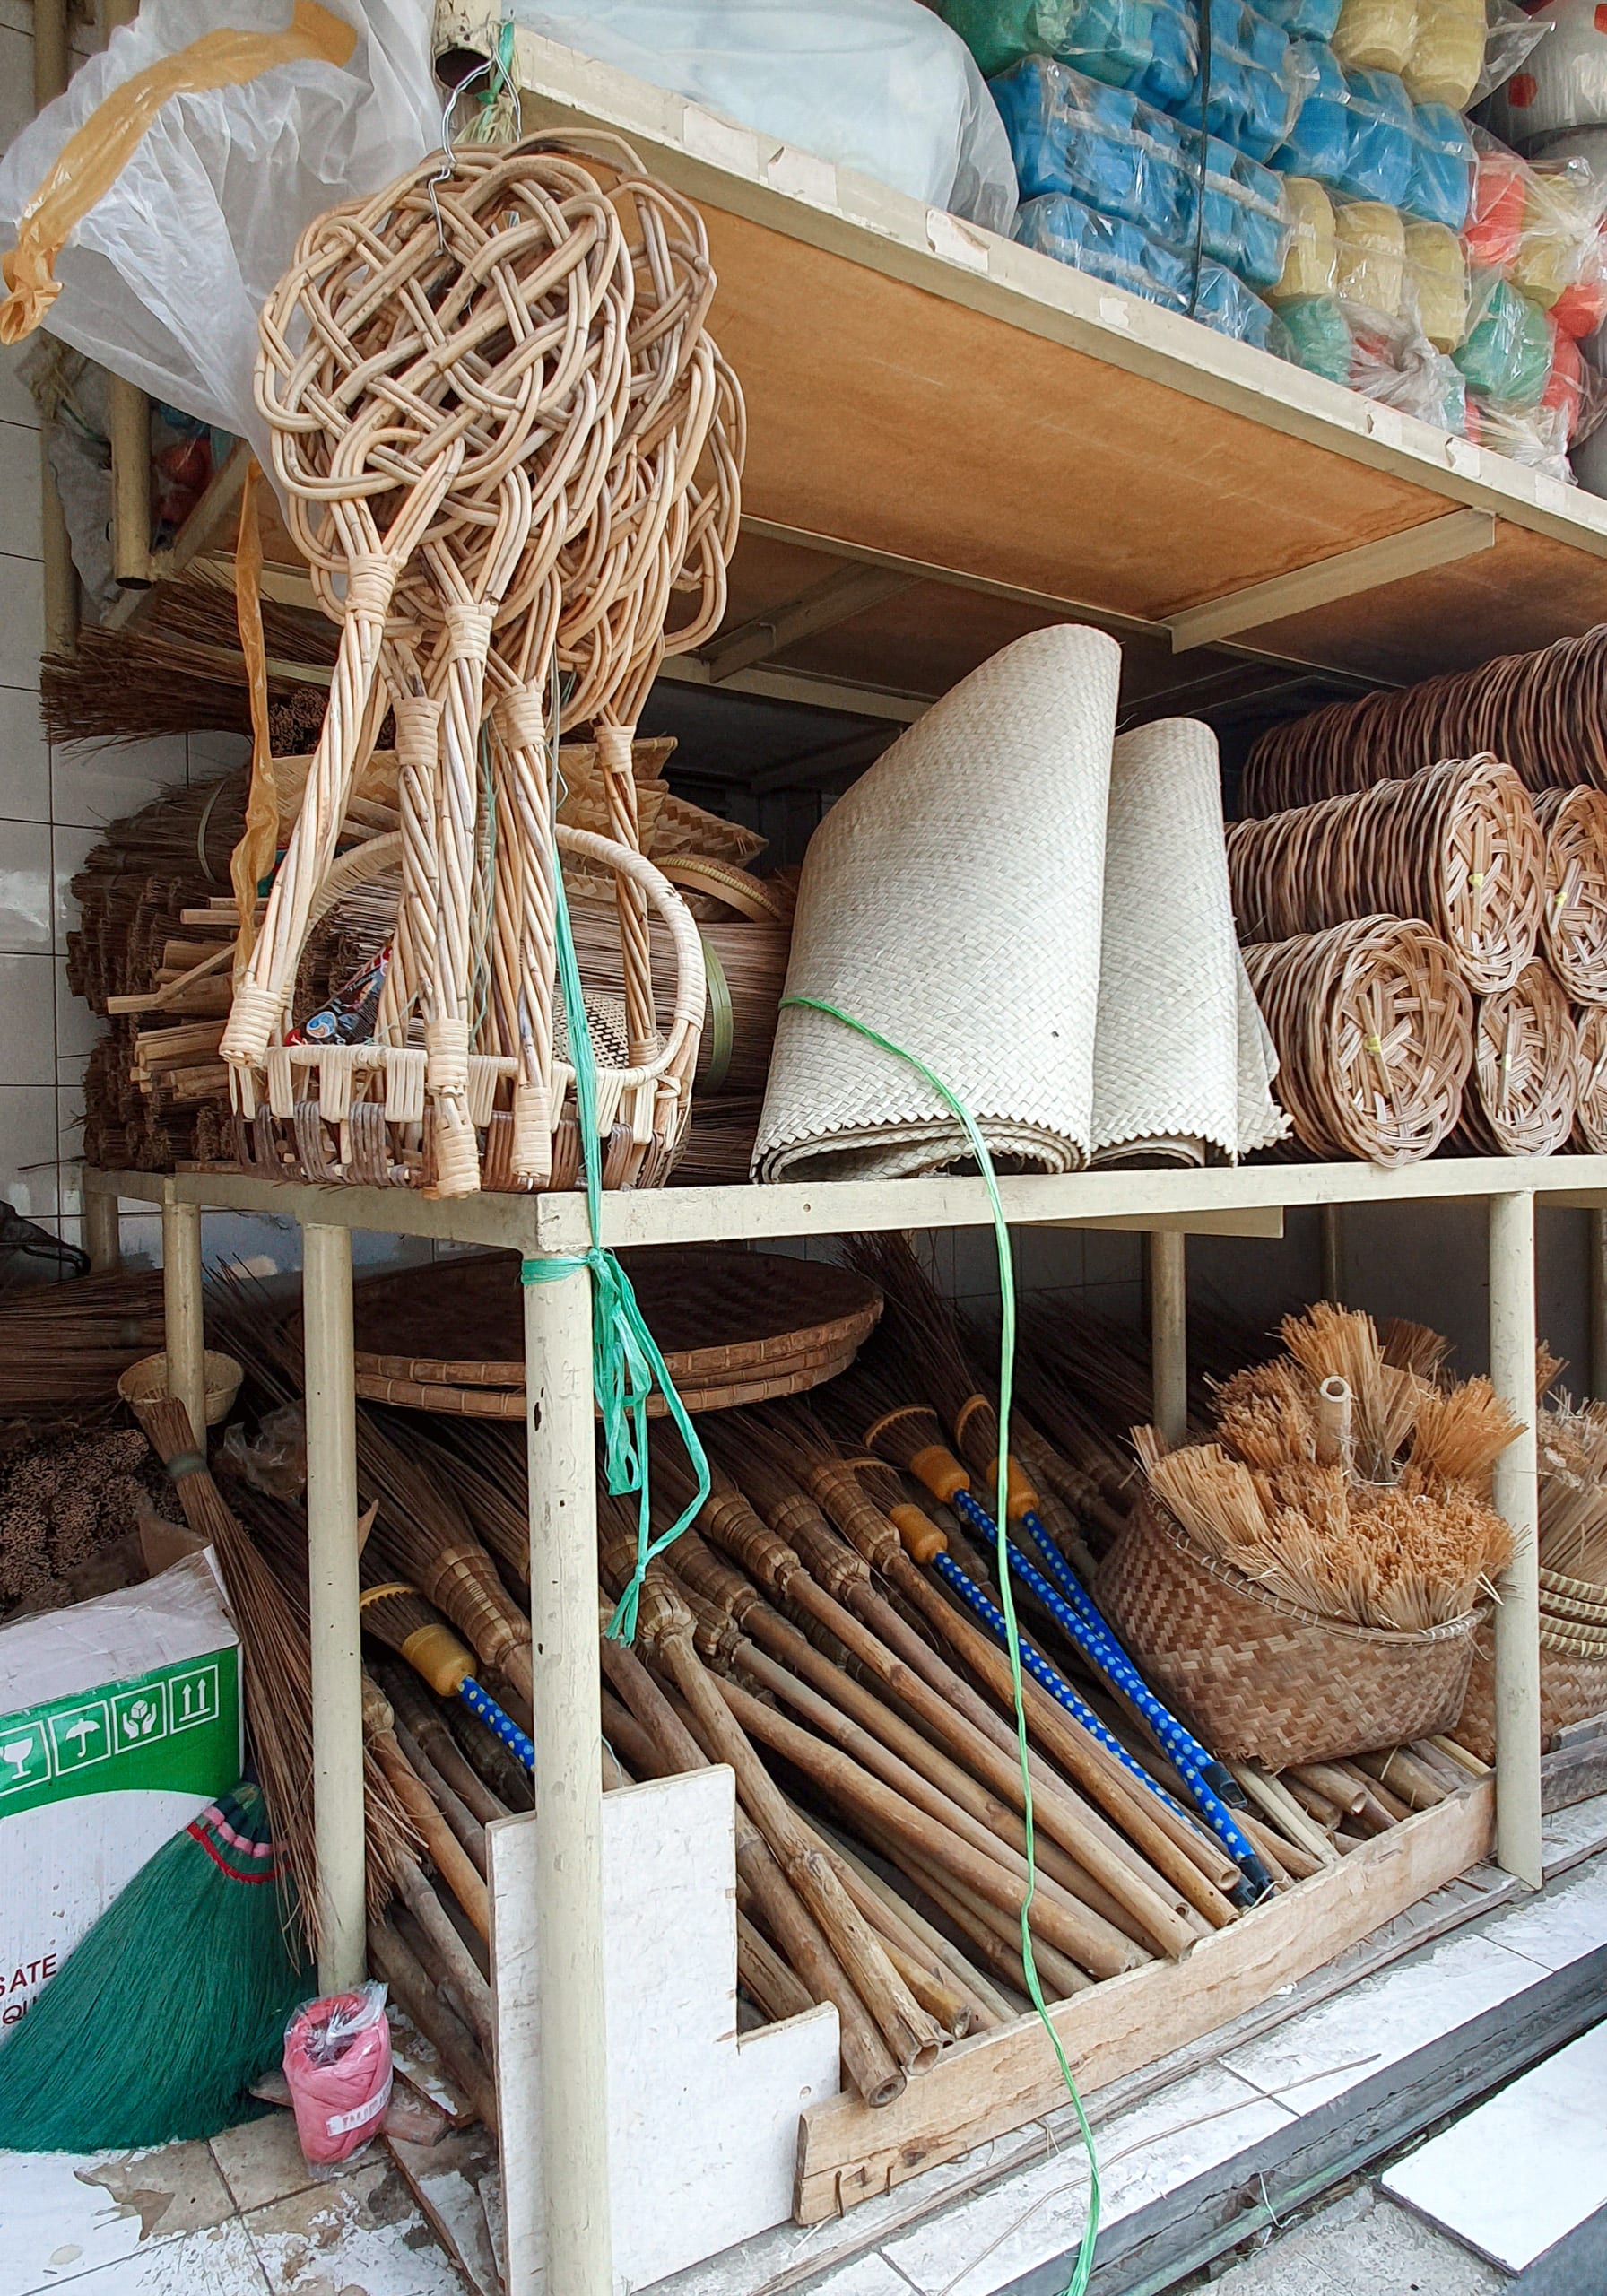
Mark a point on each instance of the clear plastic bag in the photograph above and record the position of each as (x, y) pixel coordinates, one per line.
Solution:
(1375, 35)
(1151, 47)
(1371, 255)
(1445, 58)
(1311, 255)
(1385, 358)
(1436, 283)
(1258, 82)
(1443, 161)
(274, 1459)
(1318, 142)
(162, 278)
(1120, 253)
(881, 85)
(337, 2061)
(1559, 81)
(1506, 358)
(1383, 150)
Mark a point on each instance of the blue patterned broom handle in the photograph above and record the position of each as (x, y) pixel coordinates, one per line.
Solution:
(481, 1703)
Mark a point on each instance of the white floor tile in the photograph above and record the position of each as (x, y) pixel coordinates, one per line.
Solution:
(262, 2161)
(20, 500)
(70, 848)
(28, 1019)
(28, 1149)
(66, 2215)
(1516, 2175)
(92, 783)
(24, 755)
(364, 2230)
(78, 1030)
(1359, 2243)
(16, 400)
(218, 2262)
(26, 895)
(1566, 1920)
(21, 618)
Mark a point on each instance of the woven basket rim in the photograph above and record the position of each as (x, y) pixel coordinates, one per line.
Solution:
(1578, 1590)
(1370, 1636)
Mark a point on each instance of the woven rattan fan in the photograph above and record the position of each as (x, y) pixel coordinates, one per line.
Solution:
(1574, 823)
(1525, 1071)
(735, 1326)
(508, 448)
(1374, 1031)
(1590, 1108)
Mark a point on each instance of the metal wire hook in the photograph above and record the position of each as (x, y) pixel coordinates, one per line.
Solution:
(448, 166)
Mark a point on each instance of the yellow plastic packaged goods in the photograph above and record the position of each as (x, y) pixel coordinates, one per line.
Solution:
(1436, 283)
(1308, 266)
(1371, 255)
(1375, 35)
(1447, 55)
(1562, 214)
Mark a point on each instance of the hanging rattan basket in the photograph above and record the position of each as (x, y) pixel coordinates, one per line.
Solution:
(1261, 1679)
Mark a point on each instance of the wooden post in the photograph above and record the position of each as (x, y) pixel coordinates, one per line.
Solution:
(333, 1597)
(1330, 1232)
(102, 1230)
(183, 1313)
(1598, 1303)
(130, 427)
(1512, 1343)
(1168, 1333)
(572, 2060)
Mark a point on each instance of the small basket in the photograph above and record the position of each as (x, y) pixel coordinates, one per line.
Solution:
(1573, 1683)
(146, 1382)
(1260, 1679)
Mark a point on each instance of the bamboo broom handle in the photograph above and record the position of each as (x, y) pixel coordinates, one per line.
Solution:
(455, 1961)
(1056, 1973)
(1272, 1858)
(622, 1729)
(888, 1915)
(446, 1854)
(1333, 1412)
(1318, 1807)
(909, 2032)
(1396, 1806)
(395, 1962)
(1406, 1778)
(1329, 1779)
(866, 2058)
(1072, 1929)
(467, 1829)
(861, 1747)
(1084, 1762)
(429, 1733)
(767, 1976)
(930, 1987)
(985, 1995)
(1008, 1977)
(1285, 1813)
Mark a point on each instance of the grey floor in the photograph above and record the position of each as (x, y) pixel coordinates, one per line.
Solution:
(1363, 2242)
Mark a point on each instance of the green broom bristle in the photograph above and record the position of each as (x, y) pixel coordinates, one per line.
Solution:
(170, 2008)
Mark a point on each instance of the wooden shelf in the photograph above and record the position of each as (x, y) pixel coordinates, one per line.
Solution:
(1026, 443)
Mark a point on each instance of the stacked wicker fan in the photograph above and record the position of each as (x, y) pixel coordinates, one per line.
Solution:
(1306, 1585)
(1363, 804)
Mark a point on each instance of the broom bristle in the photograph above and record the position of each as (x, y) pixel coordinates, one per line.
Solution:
(1462, 1431)
(168, 2008)
(921, 1331)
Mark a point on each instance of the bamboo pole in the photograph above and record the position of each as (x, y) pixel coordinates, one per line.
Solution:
(466, 1828)
(1597, 1217)
(102, 1231)
(333, 1617)
(1512, 1349)
(448, 1855)
(184, 1311)
(1168, 1334)
(985, 1996)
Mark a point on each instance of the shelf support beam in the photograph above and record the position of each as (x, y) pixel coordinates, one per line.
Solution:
(572, 2067)
(838, 597)
(1168, 1334)
(334, 1613)
(1436, 542)
(1512, 1348)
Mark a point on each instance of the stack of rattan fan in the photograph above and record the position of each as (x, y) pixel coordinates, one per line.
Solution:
(1539, 1076)
(1307, 1586)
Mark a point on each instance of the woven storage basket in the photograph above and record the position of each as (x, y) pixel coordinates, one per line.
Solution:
(145, 1383)
(1260, 1679)
(1458, 845)
(1374, 1034)
(1581, 1600)
(1574, 824)
(1573, 1684)
(1526, 1080)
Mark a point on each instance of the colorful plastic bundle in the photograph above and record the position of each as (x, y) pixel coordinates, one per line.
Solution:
(1370, 257)
(1436, 283)
(1321, 337)
(1443, 162)
(1258, 82)
(1309, 256)
(1446, 55)
(1112, 249)
(1149, 46)
(1318, 142)
(1375, 35)
(1383, 146)
(1507, 357)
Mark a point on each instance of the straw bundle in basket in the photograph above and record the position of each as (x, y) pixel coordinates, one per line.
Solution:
(1545, 712)
(1525, 1086)
(1590, 1070)
(1374, 1033)
(1457, 846)
(1574, 823)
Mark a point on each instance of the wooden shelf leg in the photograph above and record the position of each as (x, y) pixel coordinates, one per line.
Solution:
(183, 1313)
(1598, 1303)
(1512, 1348)
(1168, 1333)
(572, 2057)
(1331, 1232)
(102, 1231)
(333, 1594)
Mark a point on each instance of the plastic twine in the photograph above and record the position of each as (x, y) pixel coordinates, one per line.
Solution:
(626, 1365)
(1078, 2281)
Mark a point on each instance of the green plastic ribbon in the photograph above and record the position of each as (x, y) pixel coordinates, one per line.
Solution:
(626, 1365)
(1007, 1320)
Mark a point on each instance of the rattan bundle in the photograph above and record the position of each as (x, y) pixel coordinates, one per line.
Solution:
(1521, 1098)
(1458, 845)
(1374, 1031)
(1574, 823)
(1590, 1071)
(1545, 712)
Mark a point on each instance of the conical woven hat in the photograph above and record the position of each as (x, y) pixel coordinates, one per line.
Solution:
(1179, 1044)
(951, 902)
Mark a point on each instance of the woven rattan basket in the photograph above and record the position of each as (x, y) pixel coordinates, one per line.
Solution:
(1262, 1680)
(1574, 824)
(145, 1383)
(1573, 1683)
(1523, 1093)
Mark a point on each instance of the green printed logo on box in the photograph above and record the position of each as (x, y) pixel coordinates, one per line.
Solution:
(176, 1729)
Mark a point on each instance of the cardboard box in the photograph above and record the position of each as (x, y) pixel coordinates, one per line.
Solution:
(120, 1721)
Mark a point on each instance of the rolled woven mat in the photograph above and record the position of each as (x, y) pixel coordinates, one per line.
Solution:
(1458, 845)
(1524, 1085)
(1574, 824)
(1546, 713)
(1183, 1063)
(1375, 1037)
(951, 902)
(1590, 1071)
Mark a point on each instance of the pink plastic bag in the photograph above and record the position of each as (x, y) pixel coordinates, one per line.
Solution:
(337, 2060)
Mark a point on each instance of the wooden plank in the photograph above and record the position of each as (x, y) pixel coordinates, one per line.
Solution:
(1573, 1774)
(1003, 2079)
(1437, 542)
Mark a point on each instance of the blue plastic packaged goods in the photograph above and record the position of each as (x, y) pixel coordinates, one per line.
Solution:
(1443, 163)
(1110, 249)
(1318, 144)
(1257, 82)
(1383, 147)
(1303, 19)
(1151, 47)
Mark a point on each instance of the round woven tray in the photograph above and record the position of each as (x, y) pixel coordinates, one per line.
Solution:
(1526, 1083)
(1572, 1602)
(733, 1326)
(1589, 1110)
(1574, 824)
(1458, 845)
(1374, 1031)
(1573, 1684)
(1260, 1679)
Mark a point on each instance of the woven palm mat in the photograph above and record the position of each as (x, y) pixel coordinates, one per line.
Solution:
(1183, 1063)
(719, 1314)
(951, 902)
